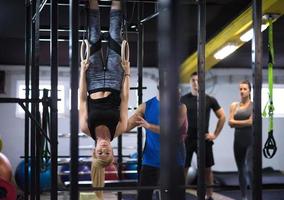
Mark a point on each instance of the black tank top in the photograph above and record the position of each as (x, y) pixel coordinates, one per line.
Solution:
(104, 111)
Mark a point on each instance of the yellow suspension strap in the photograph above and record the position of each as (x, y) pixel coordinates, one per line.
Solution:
(270, 148)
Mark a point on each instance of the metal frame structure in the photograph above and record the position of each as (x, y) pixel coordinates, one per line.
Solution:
(32, 125)
(33, 9)
(168, 86)
(74, 63)
(54, 97)
(256, 50)
(170, 41)
(201, 102)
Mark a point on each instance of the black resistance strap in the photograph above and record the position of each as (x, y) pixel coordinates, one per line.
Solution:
(270, 147)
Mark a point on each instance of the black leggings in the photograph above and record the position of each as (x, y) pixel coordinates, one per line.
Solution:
(243, 157)
(98, 77)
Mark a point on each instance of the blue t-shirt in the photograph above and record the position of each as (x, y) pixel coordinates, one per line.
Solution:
(151, 154)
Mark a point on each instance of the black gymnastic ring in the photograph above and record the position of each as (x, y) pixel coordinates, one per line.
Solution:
(270, 148)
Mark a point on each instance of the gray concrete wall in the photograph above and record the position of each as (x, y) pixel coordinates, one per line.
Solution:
(223, 84)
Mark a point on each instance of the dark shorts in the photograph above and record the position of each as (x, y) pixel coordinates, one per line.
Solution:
(150, 176)
(104, 71)
(191, 147)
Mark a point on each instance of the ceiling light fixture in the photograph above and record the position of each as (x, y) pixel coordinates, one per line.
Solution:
(247, 36)
(225, 51)
(230, 35)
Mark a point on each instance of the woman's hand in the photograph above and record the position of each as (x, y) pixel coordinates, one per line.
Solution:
(84, 65)
(231, 123)
(126, 66)
(210, 136)
(125, 57)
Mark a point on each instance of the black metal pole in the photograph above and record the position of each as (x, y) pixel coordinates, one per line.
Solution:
(38, 136)
(140, 57)
(54, 97)
(27, 92)
(32, 144)
(169, 79)
(201, 118)
(257, 84)
(35, 137)
(119, 154)
(119, 161)
(73, 55)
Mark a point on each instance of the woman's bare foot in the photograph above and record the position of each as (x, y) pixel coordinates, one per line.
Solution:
(94, 4)
(115, 5)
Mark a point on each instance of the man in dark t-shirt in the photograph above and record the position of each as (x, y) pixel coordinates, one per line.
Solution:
(190, 100)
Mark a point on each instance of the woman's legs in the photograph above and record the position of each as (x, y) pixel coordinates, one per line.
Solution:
(102, 78)
(95, 73)
(115, 21)
(249, 163)
(115, 5)
(114, 72)
(240, 157)
(94, 4)
(94, 21)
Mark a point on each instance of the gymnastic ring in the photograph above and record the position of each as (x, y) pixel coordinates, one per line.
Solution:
(124, 51)
(85, 50)
(270, 148)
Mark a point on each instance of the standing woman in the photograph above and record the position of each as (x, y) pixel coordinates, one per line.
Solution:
(104, 91)
(241, 120)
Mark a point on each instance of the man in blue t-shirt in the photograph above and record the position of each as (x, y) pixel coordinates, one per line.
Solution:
(147, 116)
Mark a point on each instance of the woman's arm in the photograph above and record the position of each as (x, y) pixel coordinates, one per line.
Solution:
(124, 95)
(238, 123)
(132, 121)
(83, 110)
(231, 121)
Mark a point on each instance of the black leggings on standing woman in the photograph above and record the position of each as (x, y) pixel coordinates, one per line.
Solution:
(243, 151)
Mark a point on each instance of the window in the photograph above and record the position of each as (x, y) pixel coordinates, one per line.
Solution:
(278, 94)
(21, 88)
(77, 100)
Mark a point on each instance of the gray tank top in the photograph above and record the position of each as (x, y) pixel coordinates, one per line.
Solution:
(243, 114)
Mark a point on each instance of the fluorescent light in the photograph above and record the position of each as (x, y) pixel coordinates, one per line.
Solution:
(225, 51)
(247, 36)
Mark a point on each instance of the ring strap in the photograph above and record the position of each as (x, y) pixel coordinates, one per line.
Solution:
(85, 50)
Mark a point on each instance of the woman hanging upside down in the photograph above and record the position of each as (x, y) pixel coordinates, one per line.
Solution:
(104, 90)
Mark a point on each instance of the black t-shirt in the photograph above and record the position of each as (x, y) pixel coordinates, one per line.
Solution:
(191, 104)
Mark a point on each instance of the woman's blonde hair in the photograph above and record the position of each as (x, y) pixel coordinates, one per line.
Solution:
(98, 173)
